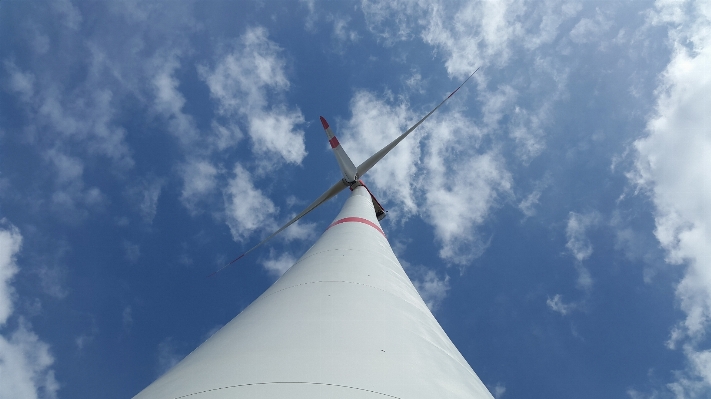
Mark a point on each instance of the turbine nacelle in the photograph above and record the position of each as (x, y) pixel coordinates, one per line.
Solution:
(380, 212)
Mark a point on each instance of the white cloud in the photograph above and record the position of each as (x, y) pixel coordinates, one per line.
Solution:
(466, 35)
(225, 137)
(580, 247)
(169, 354)
(10, 244)
(25, 363)
(274, 131)
(432, 288)
(312, 16)
(149, 202)
(241, 83)
(25, 360)
(417, 175)
(144, 194)
(278, 265)
(528, 204)
(169, 102)
(70, 15)
(199, 180)
(375, 123)
(85, 117)
(672, 165)
(556, 304)
(470, 33)
(66, 124)
(391, 20)
(20, 82)
(499, 390)
(527, 131)
(70, 197)
(458, 199)
(131, 251)
(415, 82)
(83, 340)
(635, 394)
(212, 332)
(299, 231)
(497, 104)
(579, 244)
(247, 210)
(52, 280)
(40, 42)
(341, 33)
(590, 29)
(127, 318)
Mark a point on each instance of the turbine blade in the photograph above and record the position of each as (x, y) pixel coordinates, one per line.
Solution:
(330, 193)
(344, 162)
(370, 162)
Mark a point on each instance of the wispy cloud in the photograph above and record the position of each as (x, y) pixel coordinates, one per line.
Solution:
(580, 245)
(432, 286)
(247, 209)
(590, 29)
(241, 82)
(145, 194)
(169, 354)
(556, 304)
(199, 181)
(499, 390)
(131, 251)
(169, 102)
(127, 318)
(456, 210)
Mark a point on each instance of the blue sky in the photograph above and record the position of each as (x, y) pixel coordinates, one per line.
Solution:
(555, 214)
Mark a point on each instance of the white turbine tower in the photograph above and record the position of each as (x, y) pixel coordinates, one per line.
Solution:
(343, 322)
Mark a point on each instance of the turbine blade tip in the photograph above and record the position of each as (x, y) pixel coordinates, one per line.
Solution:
(324, 123)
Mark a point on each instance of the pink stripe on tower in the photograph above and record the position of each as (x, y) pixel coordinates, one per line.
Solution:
(359, 220)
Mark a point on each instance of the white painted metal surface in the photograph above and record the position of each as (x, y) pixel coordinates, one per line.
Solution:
(344, 162)
(344, 322)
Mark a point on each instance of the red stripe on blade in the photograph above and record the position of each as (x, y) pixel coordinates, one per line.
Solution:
(334, 142)
(324, 123)
(358, 220)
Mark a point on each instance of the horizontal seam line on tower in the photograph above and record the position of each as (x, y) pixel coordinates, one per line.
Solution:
(340, 281)
(326, 281)
(303, 258)
(288, 382)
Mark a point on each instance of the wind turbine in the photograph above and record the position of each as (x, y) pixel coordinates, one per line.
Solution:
(344, 321)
